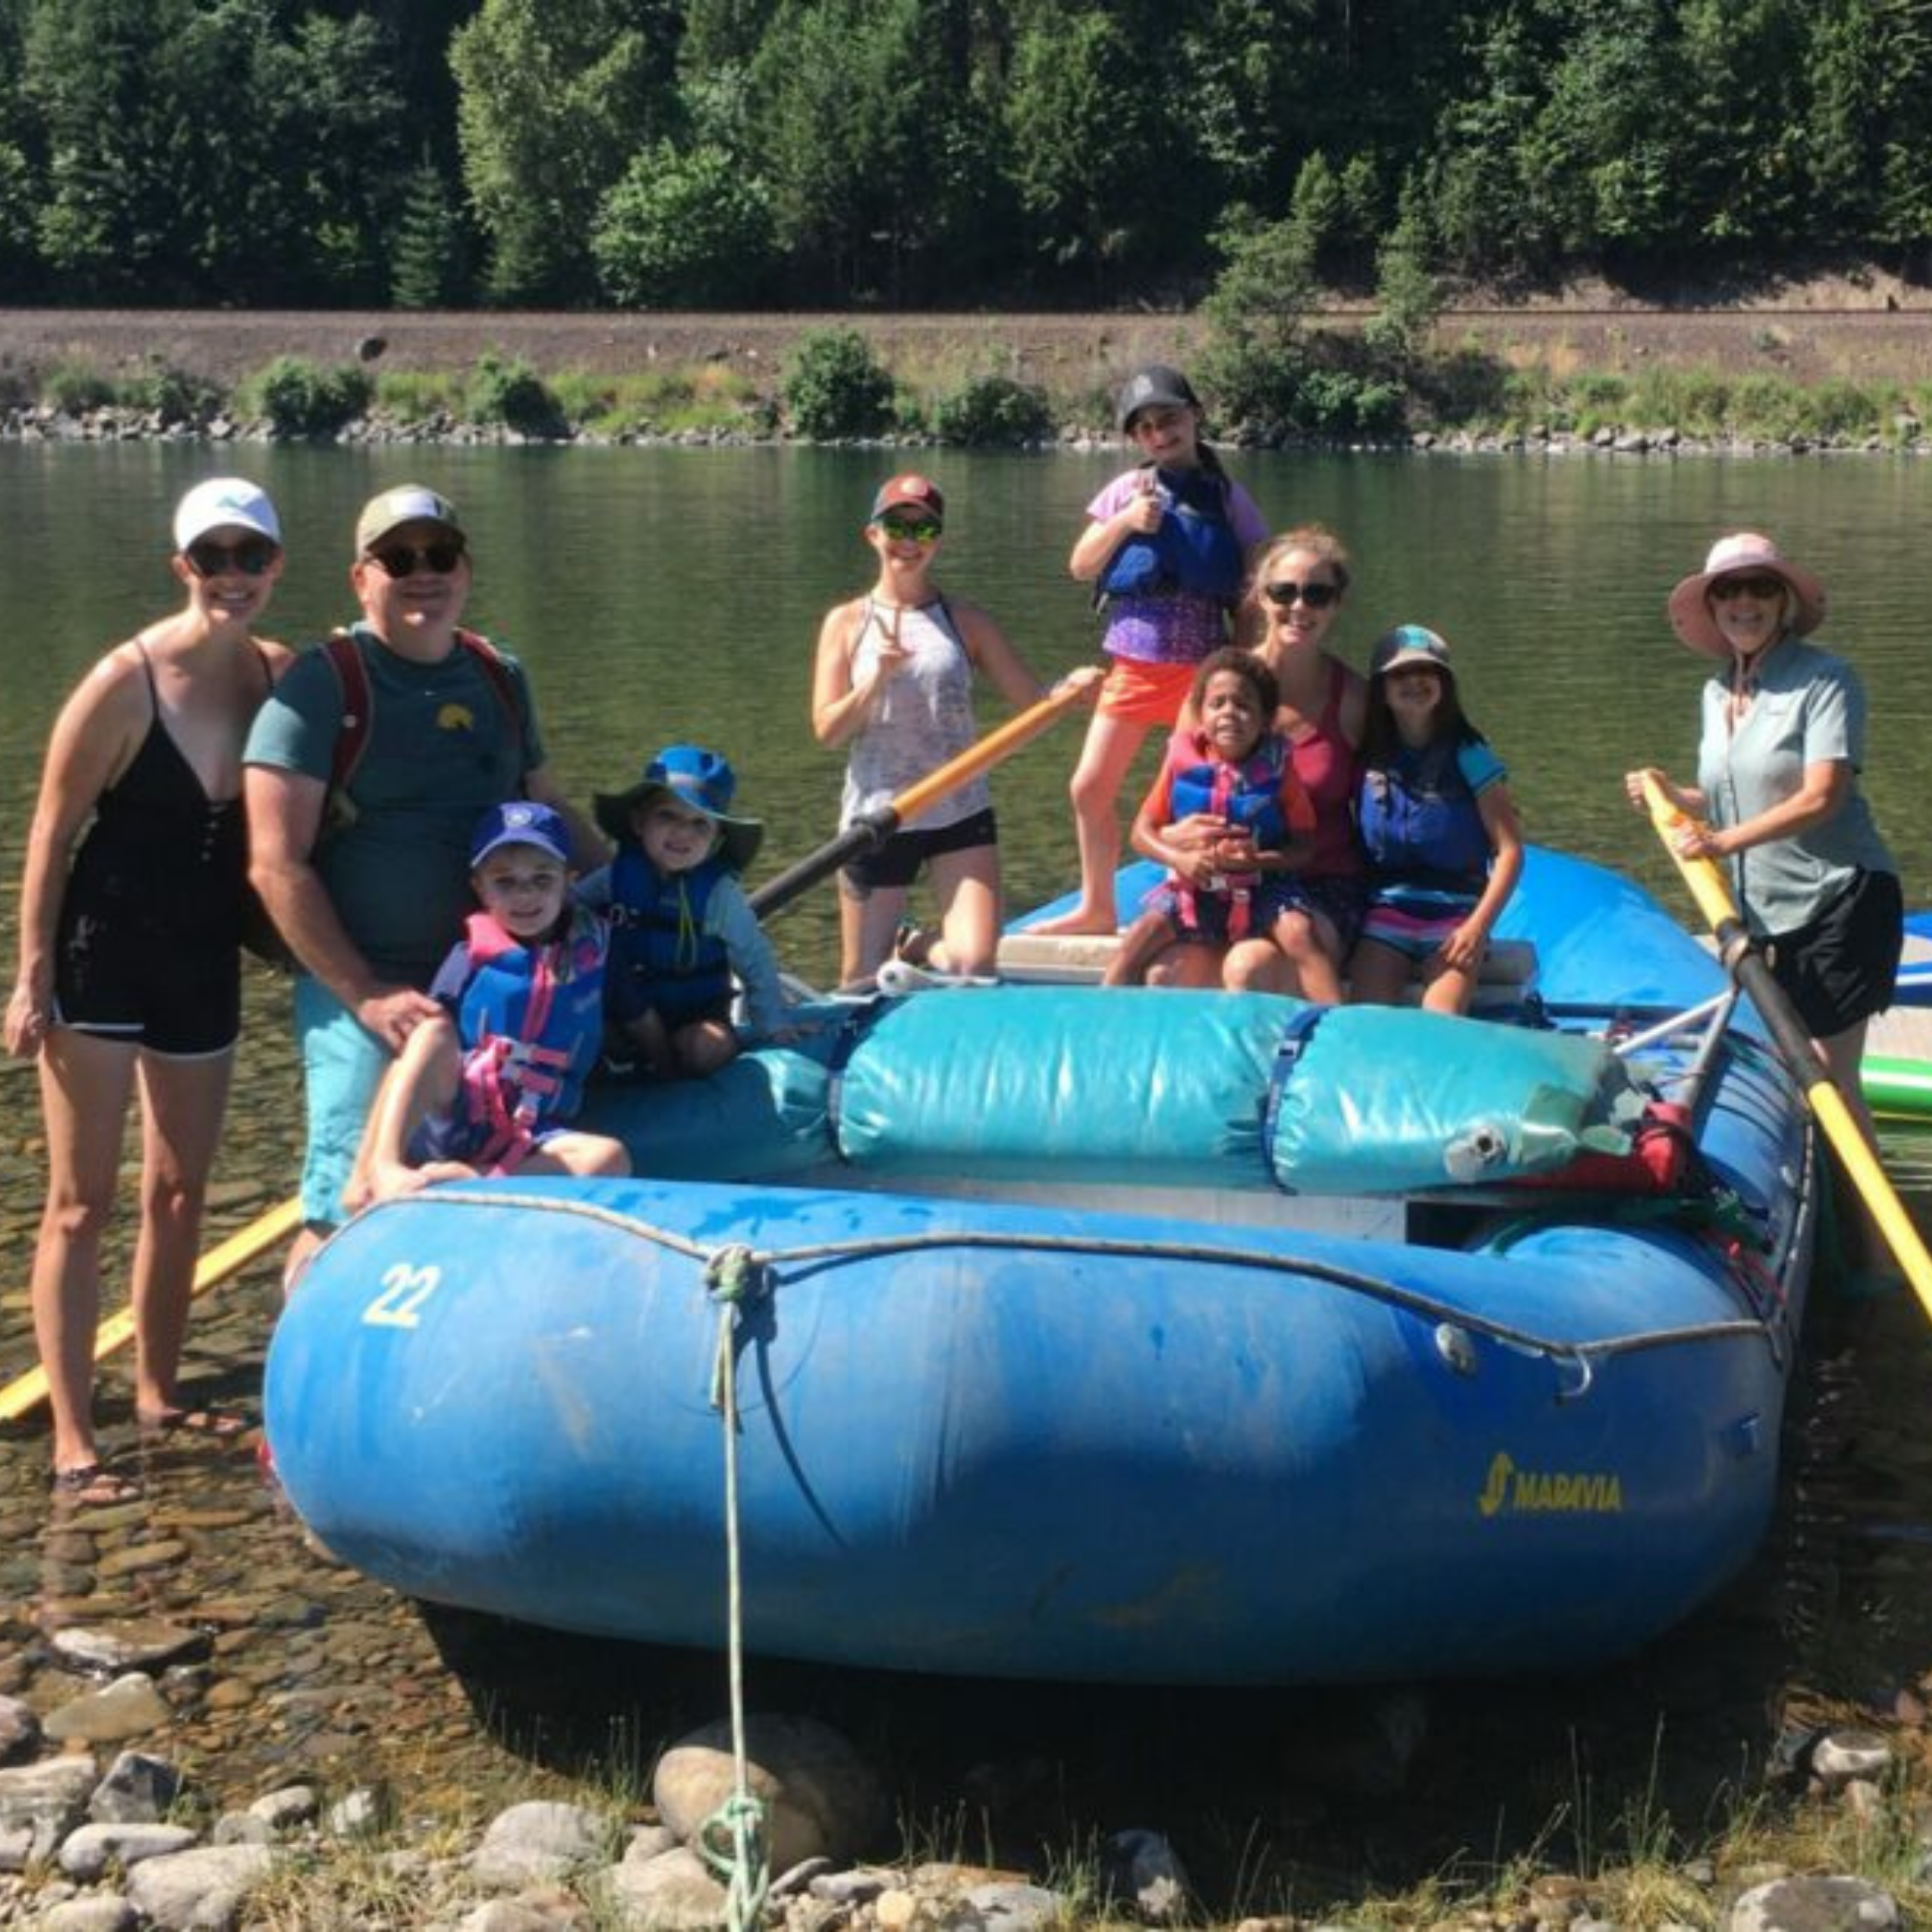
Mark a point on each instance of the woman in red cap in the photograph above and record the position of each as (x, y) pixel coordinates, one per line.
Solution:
(894, 683)
(1778, 798)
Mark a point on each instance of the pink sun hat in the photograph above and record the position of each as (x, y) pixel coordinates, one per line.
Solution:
(1744, 552)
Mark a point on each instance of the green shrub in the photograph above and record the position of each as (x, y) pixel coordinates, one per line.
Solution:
(173, 393)
(834, 385)
(75, 387)
(513, 394)
(303, 398)
(993, 411)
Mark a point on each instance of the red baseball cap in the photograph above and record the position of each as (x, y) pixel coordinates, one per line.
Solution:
(908, 492)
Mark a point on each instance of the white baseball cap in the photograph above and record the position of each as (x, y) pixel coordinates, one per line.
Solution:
(224, 503)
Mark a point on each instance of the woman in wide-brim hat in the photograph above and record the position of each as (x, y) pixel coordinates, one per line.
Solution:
(1777, 797)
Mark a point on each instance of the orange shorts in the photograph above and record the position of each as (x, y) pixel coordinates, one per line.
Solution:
(1145, 693)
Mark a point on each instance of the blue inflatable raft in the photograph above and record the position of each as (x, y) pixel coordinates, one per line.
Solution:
(1119, 1335)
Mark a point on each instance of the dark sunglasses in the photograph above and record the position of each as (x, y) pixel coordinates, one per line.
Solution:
(251, 557)
(1766, 586)
(901, 531)
(1316, 596)
(401, 560)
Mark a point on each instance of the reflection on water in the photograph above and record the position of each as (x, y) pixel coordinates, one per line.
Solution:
(664, 594)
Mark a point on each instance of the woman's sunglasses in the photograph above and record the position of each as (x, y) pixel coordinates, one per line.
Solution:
(401, 560)
(252, 556)
(901, 531)
(1765, 587)
(1316, 596)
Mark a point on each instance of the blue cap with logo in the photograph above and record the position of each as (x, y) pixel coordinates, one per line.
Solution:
(520, 822)
(1409, 644)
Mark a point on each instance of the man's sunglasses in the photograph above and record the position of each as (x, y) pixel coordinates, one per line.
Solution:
(1316, 596)
(252, 556)
(401, 560)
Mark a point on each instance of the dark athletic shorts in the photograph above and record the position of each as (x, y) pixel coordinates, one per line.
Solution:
(897, 861)
(1841, 967)
(182, 1001)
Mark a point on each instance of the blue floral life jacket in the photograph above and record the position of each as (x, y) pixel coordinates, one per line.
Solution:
(661, 956)
(1194, 551)
(531, 1021)
(1420, 822)
(1248, 796)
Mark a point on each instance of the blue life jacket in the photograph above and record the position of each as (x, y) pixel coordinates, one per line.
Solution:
(531, 1022)
(661, 957)
(1248, 795)
(1420, 822)
(1194, 551)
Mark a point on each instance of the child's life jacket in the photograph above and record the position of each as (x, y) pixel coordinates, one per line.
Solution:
(662, 958)
(1250, 797)
(531, 1019)
(1419, 820)
(1194, 551)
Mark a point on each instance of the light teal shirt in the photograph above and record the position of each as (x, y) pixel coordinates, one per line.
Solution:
(1807, 707)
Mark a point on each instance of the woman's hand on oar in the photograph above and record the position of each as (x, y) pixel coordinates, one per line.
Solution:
(27, 1391)
(1746, 965)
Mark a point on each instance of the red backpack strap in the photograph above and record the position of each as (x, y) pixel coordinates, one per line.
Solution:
(490, 662)
(352, 738)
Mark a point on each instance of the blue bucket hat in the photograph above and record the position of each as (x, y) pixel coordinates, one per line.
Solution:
(701, 780)
(520, 822)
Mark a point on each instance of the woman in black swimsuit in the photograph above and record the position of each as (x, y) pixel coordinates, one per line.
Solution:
(130, 969)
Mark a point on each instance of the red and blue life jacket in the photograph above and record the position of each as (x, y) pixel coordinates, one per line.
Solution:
(1248, 797)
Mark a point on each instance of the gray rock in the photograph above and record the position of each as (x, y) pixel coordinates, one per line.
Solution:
(19, 1731)
(1840, 1756)
(201, 1891)
(1141, 1870)
(536, 1841)
(137, 1790)
(292, 1804)
(129, 1707)
(140, 1643)
(1016, 1908)
(821, 1797)
(39, 1805)
(649, 1842)
(1814, 1905)
(95, 1913)
(242, 1828)
(674, 1893)
(87, 1853)
(511, 1915)
(361, 1814)
(851, 1889)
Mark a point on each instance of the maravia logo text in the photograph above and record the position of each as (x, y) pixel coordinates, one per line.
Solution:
(1575, 1491)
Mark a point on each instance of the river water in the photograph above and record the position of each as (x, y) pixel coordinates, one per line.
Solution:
(668, 594)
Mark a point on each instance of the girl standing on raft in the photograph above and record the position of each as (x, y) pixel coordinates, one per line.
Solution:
(893, 680)
(1166, 544)
(130, 972)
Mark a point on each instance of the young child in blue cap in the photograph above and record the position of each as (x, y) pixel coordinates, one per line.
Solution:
(487, 1088)
(681, 925)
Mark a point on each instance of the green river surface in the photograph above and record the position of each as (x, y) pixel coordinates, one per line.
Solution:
(666, 594)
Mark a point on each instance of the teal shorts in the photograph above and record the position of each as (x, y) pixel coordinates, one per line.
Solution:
(343, 1064)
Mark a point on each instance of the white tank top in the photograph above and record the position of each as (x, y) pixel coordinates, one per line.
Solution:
(923, 718)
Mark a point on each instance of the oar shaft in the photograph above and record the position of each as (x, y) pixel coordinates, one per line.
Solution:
(870, 832)
(26, 1392)
(1794, 1043)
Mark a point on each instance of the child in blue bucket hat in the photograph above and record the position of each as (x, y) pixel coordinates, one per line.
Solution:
(681, 925)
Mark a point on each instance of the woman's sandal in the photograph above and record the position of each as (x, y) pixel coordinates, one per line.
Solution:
(914, 943)
(215, 1425)
(88, 1486)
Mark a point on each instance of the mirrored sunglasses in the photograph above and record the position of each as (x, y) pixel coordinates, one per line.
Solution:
(907, 530)
(251, 557)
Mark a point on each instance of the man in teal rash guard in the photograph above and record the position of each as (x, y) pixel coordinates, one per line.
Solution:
(369, 886)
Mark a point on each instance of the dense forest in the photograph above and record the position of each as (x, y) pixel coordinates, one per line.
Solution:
(809, 153)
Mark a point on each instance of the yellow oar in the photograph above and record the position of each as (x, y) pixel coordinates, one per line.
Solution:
(1747, 966)
(27, 1392)
(868, 833)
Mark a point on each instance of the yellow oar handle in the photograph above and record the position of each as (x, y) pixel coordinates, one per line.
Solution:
(27, 1391)
(986, 752)
(1841, 1128)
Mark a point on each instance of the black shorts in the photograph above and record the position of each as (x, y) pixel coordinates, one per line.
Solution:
(897, 863)
(183, 1000)
(1841, 967)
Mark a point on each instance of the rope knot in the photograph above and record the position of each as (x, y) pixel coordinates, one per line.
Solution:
(731, 1841)
(734, 1274)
